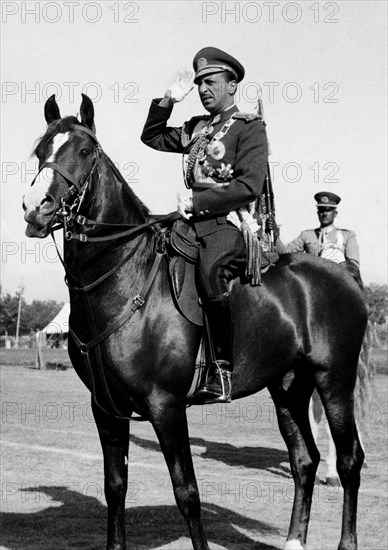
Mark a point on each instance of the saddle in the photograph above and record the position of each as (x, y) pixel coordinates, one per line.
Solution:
(183, 251)
(184, 290)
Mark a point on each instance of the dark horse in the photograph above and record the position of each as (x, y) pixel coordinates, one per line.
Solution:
(301, 330)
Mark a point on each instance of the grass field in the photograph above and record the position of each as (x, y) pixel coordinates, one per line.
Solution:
(52, 474)
(26, 357)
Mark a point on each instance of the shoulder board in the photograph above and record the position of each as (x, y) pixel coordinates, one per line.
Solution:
(197, 118)
(344, 230)
(248, 117)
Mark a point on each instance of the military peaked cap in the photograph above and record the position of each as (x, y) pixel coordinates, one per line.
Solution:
(327, 199)
(212, 60)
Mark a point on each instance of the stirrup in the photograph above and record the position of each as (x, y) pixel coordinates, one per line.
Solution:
(226, 396)
(217, 392)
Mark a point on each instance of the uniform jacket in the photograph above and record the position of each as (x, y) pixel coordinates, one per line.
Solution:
(232, 169)
(312, 242)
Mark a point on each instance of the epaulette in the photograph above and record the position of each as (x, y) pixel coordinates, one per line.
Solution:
(197, 118)
(188, 126)
(248, 117)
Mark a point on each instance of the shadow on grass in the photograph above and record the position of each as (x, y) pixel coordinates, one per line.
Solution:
(261, 458)
(77, 521)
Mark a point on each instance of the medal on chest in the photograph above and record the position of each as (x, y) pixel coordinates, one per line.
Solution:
(197, 163)
(216, 149)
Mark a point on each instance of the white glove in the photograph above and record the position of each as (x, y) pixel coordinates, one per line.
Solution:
(182, 85)
(242, 216)
(252, 224)
(185, 206)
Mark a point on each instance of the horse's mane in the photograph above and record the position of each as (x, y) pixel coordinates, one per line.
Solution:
(131, 195)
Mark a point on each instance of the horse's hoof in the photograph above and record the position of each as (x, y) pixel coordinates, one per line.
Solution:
(293, 545)
(333, 481)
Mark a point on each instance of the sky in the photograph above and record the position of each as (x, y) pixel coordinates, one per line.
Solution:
(319, 67)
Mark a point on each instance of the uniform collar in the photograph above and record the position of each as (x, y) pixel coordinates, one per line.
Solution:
(328, 229)
(224, 115)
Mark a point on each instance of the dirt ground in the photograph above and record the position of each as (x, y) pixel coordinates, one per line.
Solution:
(52, 475)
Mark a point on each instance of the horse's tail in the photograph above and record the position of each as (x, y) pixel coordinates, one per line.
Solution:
(365, 390)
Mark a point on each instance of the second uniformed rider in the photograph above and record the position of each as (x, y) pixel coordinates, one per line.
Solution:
(327, 241)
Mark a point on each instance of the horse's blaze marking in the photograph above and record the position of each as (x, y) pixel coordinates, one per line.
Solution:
(39, 190)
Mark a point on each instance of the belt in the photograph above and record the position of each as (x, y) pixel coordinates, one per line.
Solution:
(211, 225)
(208, 184)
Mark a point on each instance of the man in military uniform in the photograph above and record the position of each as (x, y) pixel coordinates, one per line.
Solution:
(225, 162)
(327, 241)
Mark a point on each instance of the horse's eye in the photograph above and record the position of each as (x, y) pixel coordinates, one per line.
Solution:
(84, 153)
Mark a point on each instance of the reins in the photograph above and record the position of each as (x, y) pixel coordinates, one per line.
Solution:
(131, 232)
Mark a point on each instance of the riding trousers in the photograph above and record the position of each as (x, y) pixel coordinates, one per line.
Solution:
(222, 256)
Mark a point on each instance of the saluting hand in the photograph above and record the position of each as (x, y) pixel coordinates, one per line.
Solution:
(182, 85)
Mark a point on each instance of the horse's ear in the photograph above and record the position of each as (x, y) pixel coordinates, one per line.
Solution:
(51, 110)
(87, 112)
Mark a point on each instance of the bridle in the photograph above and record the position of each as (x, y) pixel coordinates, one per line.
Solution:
(67, 216)
(68, 213)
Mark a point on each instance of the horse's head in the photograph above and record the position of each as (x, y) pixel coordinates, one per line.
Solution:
(66, 155)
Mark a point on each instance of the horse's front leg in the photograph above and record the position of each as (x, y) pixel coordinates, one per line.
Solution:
(114, 437)
(170, 424)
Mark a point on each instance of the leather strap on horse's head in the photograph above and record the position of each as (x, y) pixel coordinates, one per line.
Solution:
(63, 172)
(76, 185)
(90, 133)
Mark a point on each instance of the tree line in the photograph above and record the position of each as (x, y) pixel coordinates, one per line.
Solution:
(377, 298)
(39, 313)
(34, 316)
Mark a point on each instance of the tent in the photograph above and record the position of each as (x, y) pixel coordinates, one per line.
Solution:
(60, 323)
(56, 332)
(54, 335)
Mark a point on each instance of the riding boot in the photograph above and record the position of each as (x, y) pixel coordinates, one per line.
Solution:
(217, 387)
